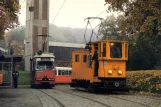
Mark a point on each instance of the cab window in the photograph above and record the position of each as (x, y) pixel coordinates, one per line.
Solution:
(104, 49)
(84, 58)
(116, 50)
(76, 58)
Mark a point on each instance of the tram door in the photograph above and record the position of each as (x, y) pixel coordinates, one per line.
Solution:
(6, 71)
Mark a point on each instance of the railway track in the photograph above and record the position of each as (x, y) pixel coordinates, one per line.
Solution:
(86, 98)
(60, 104)
(131, 101)
(100, 101)
(104, 103)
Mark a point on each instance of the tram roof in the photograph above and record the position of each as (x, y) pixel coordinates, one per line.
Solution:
(47, 55)
(61, 44)
(63, 68)
(109, 41)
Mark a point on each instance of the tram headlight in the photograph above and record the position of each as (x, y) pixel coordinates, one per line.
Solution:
(120, 72)
(109, 72)
(112, 44)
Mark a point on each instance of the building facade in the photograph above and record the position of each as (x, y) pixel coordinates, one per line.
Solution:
(63, 52)
(37, 28)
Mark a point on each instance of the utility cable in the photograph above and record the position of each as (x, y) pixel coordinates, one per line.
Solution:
(59, 10)
(91, 21)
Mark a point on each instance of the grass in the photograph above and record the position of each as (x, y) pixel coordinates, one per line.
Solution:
(24, 78)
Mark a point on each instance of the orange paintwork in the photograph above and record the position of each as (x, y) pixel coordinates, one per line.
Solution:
(1, 78)
(110, 65)
(81, 71)
(62, 79)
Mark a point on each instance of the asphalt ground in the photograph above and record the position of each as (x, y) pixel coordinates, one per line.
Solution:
(65, 96)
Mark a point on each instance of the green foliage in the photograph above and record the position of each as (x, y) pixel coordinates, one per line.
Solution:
(8, 16)
(148, 81)
(138, 15)
(110, 28)
(16, 38)
(142, 26)
(145, 54)
(15, 34)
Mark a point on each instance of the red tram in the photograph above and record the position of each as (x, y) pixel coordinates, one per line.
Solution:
(1, 79)
(63, 75)
(42, 70)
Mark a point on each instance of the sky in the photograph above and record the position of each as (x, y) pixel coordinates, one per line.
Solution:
(72, 14)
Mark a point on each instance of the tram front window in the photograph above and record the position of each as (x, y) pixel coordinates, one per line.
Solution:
(116, 50)
(44, 65)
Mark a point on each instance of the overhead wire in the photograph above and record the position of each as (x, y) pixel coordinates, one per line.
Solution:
(59, 10)
(91, 21)
(94, 32)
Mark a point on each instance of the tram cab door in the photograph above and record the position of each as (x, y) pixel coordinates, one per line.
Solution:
(95, 62)
(89, 61)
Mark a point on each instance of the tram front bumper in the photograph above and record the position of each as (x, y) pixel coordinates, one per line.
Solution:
(47, 81)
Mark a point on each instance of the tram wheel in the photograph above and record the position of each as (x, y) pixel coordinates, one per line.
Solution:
(91, 89)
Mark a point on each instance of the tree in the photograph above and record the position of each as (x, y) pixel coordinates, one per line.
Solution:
(110, 28)
(16, 39)
(142, 24)
(139, 17)
(9, 15)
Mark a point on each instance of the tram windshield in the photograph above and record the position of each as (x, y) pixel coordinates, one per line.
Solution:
(116, 50)
(44, 65)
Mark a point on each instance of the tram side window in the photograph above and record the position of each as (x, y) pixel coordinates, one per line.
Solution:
(77, 58)
(63, 72)
(116, 50)
(59, 72)
(70, 72)
(84, 58)
(66, 73)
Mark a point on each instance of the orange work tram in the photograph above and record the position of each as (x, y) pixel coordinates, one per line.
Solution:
(107, 71)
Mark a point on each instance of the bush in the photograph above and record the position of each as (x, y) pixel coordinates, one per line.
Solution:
(148, 81)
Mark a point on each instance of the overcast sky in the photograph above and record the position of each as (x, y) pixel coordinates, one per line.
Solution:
(73, 12)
